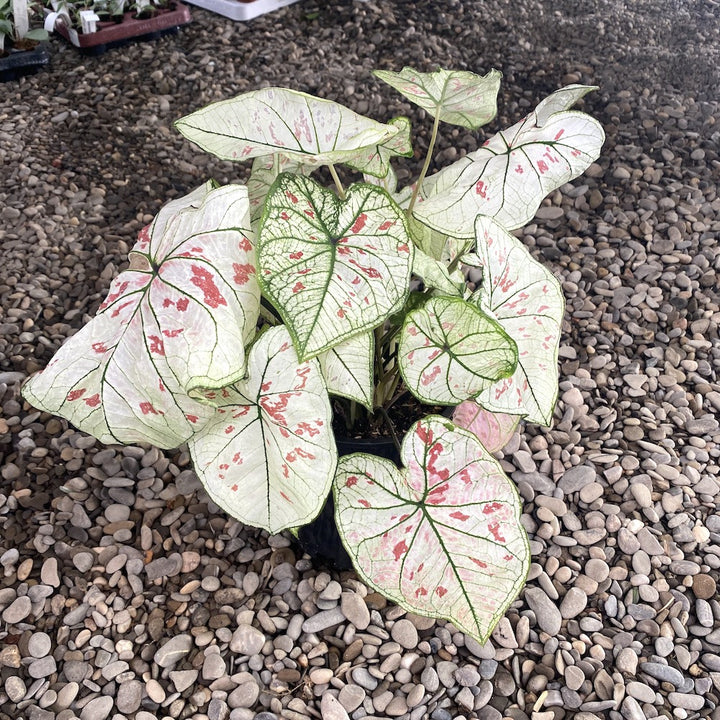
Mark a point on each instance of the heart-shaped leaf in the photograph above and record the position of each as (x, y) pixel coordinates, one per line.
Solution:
(176, 322)
(494, 430)
(267, 456)
(458, 97)
(348, 369)
(527, 300)
(332, 268)
(450, 351)
(442, 537)
(308, 129)
(510, 175)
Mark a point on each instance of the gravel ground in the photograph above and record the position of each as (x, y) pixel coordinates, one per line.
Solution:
(125, 593)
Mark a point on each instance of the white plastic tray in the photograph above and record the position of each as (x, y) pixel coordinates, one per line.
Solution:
(236, 10)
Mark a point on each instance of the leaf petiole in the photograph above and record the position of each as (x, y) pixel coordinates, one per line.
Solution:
(337, 181)
(426, 166)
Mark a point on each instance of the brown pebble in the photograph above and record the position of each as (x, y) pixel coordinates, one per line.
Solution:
(703, 586)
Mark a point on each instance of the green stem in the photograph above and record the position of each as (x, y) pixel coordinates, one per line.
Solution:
(426, 166)
(336, 178)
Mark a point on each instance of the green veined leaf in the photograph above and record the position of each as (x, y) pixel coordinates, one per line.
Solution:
(450, 351)
(494, 430)
(510, 175)
(334, 269)
(348, 369)
(305, 128)
(458, 97)
(527, 300)
(267, 456)
(442, 537)
(176, 321)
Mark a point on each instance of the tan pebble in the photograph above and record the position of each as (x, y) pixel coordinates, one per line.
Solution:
(703, 586)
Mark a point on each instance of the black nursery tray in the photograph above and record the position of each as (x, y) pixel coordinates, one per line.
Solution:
(23, 62)
(110, 34)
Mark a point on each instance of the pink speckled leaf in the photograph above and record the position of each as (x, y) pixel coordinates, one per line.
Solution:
(305, 128)
(267, 456)
(450, 351)
(527, 300)
(458, 97)
(494, 430)
(333, 269)
(509, 176)
(176, 321)
(442, 537)
(348, 369)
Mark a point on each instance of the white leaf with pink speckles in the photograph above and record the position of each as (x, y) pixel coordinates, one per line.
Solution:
(311, 130)
(267, 456)
(441, 537)
(332, 268)
(176, 321)
(527, 300)
(494, 430)
(458, 97)
(450, 351)
(348, 369)
(509, 176)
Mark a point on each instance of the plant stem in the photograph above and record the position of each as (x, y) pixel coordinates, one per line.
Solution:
(426, 166)
(391, 428)
(336, 178)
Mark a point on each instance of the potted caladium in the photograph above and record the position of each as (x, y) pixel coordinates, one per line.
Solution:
(242, 9)
(252, 317)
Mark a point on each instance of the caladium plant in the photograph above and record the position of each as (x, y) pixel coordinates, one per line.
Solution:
(256, 320)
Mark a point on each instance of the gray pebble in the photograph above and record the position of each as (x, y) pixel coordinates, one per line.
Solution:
(173, 650)
(15, 688)
(39, 644)
(405, 634)
(665, 673)
(323, 620)
(546, 612)
(247, 640)
(245, 695)
(355, 610)
(97, 709)
(18, 610)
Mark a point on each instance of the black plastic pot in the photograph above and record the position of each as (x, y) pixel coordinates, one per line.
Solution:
(23, 62)
(320, 539)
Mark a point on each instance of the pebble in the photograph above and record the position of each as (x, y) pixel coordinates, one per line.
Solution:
(405, 634)
(546, 612)
(247, 640)
(18, 610)
(173, 650)
(97, 709)
(704, 586)
(573, 603)
(355, 610)
(39, 644)
(332, 709)
(15, 688)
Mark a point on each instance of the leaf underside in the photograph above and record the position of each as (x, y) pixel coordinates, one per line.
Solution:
(305, 128)
(458, 97)
(494, 430)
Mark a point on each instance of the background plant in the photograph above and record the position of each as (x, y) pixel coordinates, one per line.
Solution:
(245, 308)
(15, 23)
